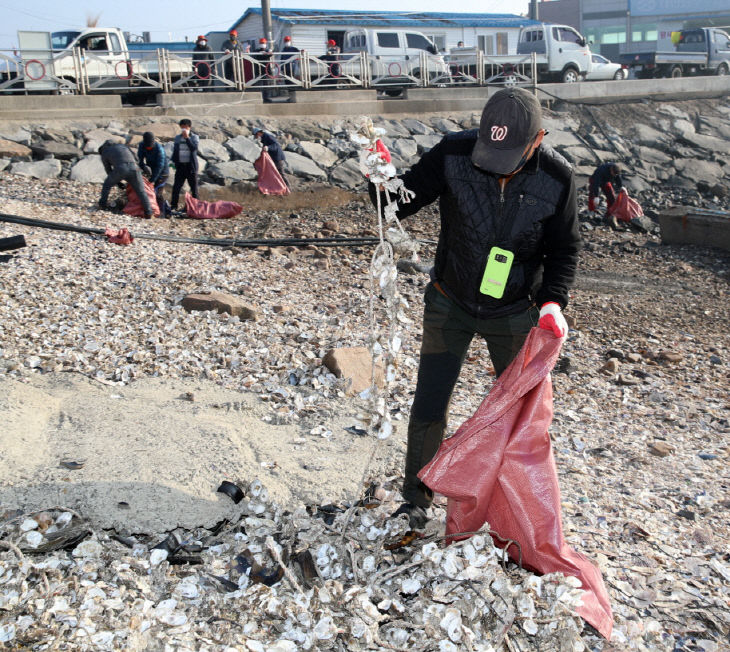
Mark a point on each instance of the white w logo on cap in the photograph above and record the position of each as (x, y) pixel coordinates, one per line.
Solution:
(499, 132)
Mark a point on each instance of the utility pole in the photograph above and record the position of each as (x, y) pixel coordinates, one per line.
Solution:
(266, 15)
(533, 10)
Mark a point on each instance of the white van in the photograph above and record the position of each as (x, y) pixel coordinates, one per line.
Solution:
(396, 55)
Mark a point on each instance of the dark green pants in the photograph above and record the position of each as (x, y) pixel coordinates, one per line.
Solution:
(447, 332)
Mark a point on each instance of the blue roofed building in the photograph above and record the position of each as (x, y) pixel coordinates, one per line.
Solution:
(310, 29)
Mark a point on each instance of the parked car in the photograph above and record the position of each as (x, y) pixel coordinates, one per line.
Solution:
(602, 69)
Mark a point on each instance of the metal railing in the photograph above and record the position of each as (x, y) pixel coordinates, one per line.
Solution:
(84, 72)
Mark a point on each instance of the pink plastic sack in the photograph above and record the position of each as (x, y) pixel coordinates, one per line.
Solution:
(134, 204)
(625, 209)
(499, 468)
(210, 210)
(120, 237)
(270, 181)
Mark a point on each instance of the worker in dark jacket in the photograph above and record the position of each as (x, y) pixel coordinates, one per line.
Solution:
(505, 261)
(153, 159)
(290, 59)
(230, 46)
(185, 158)
(606, 178)
(120, 166)
(274, 149)
(203, 62)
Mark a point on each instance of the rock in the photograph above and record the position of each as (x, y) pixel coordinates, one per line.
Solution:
(244, 148)
(355, 365)
(4, 162)
(231, 171)
(642, 224)
(444, 125)
(661, 448)
(61, 151)
(307, 131)
(671, 110)
(406, 148)
(579, 154)
(97, 137)
(416, 127)
(714, 359)
(319, 153)
(627, 380)
(89, 169)
(652, 155)
(610, 367)
(347, 174)
(163, 131)
(670, 356)
(615, 353)
(302, 166)
(46, 169)
(394, 129)
(16, 134)
(210, 150)
(13, 150)
(561, 139)
(688, 514)
(331, 225)
(220, 302)
(697, 169)
(648, 136)
(426, 142)
(281, 308)
(634, 357)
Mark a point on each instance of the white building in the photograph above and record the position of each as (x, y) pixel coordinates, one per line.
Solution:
(310, 29)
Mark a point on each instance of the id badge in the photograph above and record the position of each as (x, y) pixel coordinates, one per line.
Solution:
(496, 272)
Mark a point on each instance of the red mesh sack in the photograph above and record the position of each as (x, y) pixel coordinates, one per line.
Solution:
(270, 181)
(134, 204)
(210, 210)
(625, 209)
(499, 468)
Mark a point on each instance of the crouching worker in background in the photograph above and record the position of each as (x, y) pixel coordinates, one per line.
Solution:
(605, 178)
(120, 166)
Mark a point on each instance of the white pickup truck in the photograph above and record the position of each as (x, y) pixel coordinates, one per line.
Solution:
(97, 58)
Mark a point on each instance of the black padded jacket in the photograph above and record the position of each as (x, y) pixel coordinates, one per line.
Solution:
(534, 216)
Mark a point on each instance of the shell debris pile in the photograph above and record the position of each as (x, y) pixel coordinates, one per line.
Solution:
(274, 581)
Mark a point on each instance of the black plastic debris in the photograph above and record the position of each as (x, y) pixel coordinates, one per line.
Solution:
(172, 543)
(13, 242)
(123, 505)
(181, 559)
(128, 542)
(66, 539)
(360, 432)
(231, 490)
(308, 567)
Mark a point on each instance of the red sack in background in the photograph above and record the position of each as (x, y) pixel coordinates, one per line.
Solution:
(210, 210)
(121, 237)
(270, 181)
(134, 204)
(625, 209)
(499, 468)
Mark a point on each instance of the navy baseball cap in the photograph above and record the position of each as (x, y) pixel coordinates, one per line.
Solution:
(510, 121)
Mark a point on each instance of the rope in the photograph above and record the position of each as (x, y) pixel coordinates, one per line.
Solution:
(225, 242)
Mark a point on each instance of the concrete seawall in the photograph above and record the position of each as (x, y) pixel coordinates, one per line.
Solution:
(350, 102)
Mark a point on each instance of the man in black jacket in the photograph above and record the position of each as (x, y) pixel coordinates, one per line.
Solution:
(185, 158)
(606, 178)
(203, 62)
(505, 259)
(120, 166)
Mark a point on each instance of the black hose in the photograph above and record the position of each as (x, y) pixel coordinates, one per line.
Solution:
(232, 242)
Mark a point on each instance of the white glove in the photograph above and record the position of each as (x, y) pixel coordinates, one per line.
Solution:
(551, 319)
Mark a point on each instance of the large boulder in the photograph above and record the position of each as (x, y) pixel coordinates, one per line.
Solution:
(416, 127)
(163, 131)
(16, 134)
(319, 153)
(302, 166)
(561, 139)
(698, 170)
(648, 136)
(49, 168)
(444, 125)
(394, 129)
(405, 148)
(231, 171)
(89, 169)
(59, 150)
(244, 148)
(4, 162)
(427, 142)
(210, 150)
(307, 131)
(13, 150)
(97, 137)
(347, 174)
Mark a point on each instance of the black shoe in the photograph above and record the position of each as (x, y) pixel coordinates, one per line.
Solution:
(417, 518)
